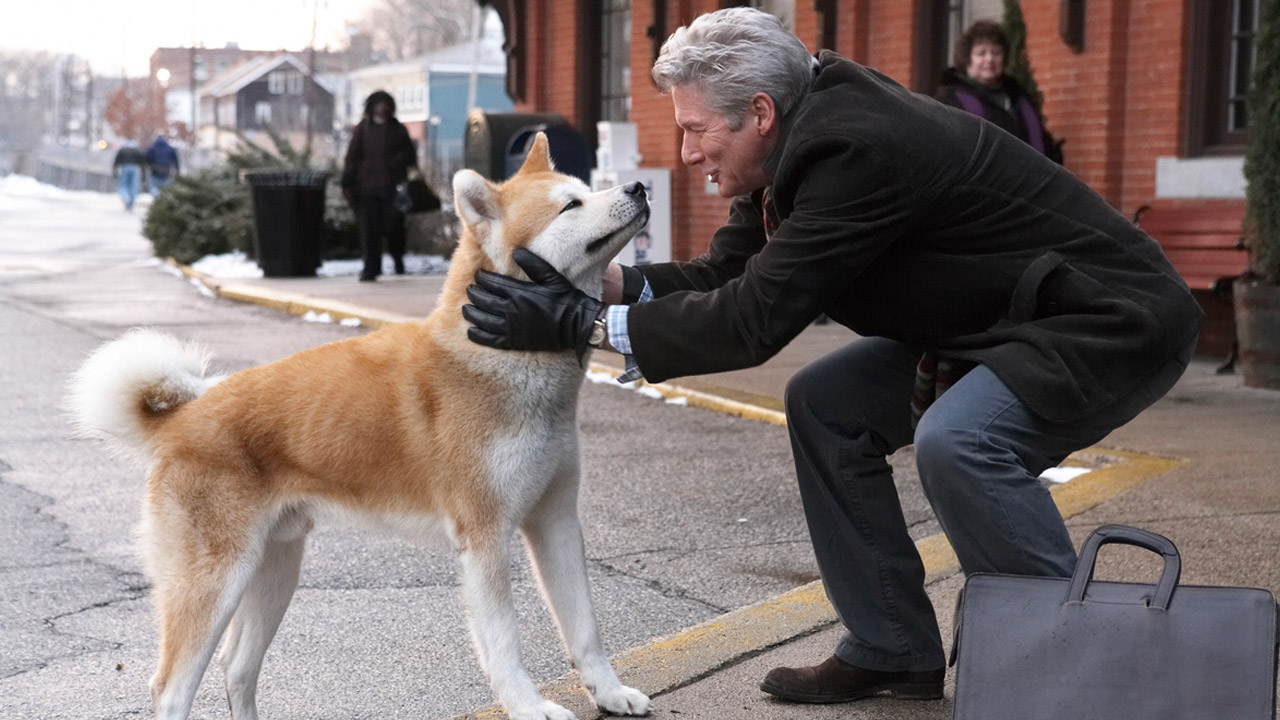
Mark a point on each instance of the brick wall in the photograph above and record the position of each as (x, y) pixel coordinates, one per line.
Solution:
(1117, 103)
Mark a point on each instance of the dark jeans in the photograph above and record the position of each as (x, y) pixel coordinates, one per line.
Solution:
(979, 451)
(378, 217)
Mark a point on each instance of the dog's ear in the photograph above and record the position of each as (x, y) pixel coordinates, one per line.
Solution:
(475, 198)
(539, 157)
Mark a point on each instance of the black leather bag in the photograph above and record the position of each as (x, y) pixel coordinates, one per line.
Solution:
(1035, 648)
(415, 196)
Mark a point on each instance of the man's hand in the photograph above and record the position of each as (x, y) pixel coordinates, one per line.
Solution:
(546, 314)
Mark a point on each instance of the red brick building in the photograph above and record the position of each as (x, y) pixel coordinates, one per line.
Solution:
(1147, 93)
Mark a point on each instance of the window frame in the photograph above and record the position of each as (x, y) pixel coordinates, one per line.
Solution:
(615, 25)
(1209, 71)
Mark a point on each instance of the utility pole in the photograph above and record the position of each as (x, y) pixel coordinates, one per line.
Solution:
(88, 105)
(311, 81)
(195, 101)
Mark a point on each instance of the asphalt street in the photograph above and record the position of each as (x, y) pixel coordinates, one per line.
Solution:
(688, 513)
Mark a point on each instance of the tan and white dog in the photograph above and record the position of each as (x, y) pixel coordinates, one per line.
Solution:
(413, 429)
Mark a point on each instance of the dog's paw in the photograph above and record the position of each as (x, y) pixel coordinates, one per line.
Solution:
(545, 710)
(623, 700)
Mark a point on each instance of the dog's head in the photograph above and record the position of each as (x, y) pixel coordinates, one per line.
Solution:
(554, 215)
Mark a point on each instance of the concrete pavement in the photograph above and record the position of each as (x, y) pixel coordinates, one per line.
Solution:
(1198, 467)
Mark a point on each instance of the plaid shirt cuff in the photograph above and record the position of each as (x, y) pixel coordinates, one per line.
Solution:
(620, 339)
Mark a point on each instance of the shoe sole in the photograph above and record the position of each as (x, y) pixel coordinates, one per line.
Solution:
(900, 691)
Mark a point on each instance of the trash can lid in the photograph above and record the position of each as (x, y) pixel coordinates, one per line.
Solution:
(286, 178)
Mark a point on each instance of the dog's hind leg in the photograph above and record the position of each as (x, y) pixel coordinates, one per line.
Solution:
(198, 578)
(554, 537)
(254, 625)
(486, 583)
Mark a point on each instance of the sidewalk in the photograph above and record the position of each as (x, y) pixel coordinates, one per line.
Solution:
(1199, 467)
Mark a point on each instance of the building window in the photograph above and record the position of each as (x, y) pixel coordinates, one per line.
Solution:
(1223, 54)
(262, 113)
(784, 10)
(296, 83)
(275, 83)
(615, 67)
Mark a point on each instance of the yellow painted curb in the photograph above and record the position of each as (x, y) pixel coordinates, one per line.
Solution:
(293, 303)
(302, 304)
(698, 399)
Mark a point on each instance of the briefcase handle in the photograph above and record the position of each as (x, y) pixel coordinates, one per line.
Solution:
(1127, 536)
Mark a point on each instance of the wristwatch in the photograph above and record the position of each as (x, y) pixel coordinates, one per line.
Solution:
(599, 332)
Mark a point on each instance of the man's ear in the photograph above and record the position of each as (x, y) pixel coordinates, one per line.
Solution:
(762, 113)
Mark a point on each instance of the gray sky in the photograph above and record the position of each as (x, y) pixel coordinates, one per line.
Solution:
(120, 35)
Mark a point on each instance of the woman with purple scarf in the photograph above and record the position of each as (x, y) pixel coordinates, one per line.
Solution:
(978, 85)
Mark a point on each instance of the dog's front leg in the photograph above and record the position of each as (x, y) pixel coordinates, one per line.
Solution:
(554, 536)
(486, 583)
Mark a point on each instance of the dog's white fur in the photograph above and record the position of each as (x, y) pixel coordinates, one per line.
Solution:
(413, 429)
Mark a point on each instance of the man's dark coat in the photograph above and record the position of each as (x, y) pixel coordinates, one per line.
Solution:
(904, 218)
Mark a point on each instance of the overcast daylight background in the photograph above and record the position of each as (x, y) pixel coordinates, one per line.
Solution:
(118, 36)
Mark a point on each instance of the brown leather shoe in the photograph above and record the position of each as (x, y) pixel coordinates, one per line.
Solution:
(836, 681)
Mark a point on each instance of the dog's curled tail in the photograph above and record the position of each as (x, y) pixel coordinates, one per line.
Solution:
(126, 387)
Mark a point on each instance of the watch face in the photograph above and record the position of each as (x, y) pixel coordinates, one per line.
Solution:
(597, 334)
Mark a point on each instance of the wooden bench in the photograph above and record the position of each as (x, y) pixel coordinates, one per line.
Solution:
(1206, 246)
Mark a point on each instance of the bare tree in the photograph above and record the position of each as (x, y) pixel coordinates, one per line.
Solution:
(26, 98)
(402, 29)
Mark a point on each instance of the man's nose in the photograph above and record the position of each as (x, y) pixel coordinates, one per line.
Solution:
(690, 153)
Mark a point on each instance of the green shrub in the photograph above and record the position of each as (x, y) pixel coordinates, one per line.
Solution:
(1018, 65)
(1262, 157)
(204, 213)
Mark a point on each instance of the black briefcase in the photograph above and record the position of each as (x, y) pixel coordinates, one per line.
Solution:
(1035, 648)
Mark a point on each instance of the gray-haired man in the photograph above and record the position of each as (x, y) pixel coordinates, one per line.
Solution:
(963, 259)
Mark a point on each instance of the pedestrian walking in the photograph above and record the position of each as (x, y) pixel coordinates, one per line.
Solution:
(127, 170)
(1004, 316)
(378, 158)
(162, 164)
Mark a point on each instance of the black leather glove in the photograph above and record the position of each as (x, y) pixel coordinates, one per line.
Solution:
(546, 314)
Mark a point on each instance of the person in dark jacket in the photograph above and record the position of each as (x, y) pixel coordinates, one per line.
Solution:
(378, 159)
(978, 84)
(1005, 317)
(162, 164)
(127, 170)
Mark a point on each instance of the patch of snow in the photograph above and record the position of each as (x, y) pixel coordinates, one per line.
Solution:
(232, 265)
(236, 265)
(1064, 474)
(18, 191)
(204, 290)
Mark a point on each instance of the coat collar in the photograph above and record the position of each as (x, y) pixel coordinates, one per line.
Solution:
(775, 158)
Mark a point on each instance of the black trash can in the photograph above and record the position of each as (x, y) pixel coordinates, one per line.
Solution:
(288, 214)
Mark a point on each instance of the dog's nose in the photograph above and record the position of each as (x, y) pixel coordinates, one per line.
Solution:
(634, 188)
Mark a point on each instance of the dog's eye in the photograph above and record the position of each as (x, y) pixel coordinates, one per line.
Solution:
(572, 204)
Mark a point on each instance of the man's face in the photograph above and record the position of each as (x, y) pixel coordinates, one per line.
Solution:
(732, 159)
